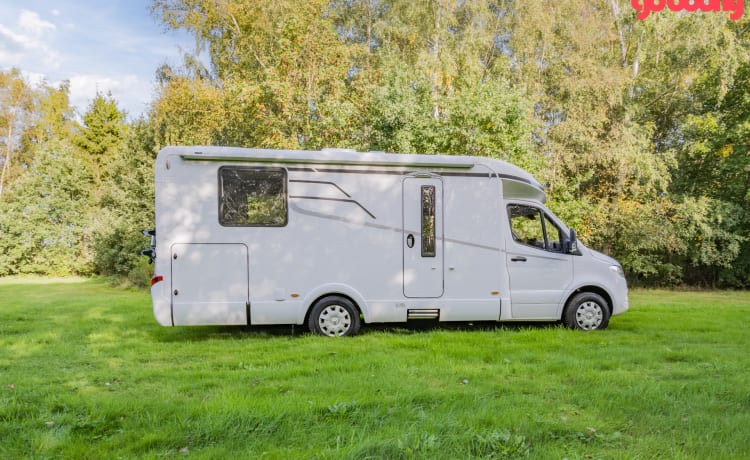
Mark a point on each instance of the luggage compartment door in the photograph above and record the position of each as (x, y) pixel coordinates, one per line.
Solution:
(209, 284)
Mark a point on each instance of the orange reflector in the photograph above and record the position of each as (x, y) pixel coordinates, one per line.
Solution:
(295, 295)
(495, 292)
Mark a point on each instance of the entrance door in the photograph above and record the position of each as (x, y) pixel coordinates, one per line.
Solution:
(209, 284)
(540, 272)
(423, 237)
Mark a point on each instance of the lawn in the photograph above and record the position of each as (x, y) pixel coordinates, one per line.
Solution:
(85, 372)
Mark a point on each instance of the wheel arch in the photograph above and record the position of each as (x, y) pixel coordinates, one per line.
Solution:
(330, 290)
(588, 288)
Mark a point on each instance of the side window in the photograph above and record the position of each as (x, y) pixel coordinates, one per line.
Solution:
(532, 227)
(526, 225)
(428, 221)
(554, 235)
(252, 197)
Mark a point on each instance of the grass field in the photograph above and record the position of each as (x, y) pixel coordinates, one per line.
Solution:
(85, 372)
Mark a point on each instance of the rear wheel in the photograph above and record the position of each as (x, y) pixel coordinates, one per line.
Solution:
(586, 311)
(334, 316)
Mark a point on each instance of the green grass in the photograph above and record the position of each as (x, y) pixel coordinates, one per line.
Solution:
(85, 372)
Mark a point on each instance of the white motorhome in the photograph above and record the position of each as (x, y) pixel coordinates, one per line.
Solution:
(334, 238)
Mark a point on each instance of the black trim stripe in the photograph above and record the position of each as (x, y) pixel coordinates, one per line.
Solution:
(321, 182)
(333, 199)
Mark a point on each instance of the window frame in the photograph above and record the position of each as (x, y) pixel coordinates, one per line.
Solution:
(428, 251)
(544, 218)
(285, 193)
(560, 234)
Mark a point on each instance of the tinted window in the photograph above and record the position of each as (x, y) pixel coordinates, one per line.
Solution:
(428, 221)
(526, 225)
(252, 197)
(554, 235)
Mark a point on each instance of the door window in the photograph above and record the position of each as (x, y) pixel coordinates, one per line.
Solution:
(530, 226)
(554, 235)
(428, 221)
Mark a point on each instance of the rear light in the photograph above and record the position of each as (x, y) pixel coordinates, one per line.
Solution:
(156, 279)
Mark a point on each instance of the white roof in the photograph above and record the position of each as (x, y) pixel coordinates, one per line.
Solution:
(348, 157)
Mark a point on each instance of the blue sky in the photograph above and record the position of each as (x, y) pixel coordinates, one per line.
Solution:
(96, 45)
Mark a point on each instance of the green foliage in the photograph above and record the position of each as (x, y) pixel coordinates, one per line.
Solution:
(278, 77)
(17, 107)
(87, 373)
(78, 187)
(638, 128)
(127, 207)
(102, 132)
(54, 118)
(43, 224)
(484, 120)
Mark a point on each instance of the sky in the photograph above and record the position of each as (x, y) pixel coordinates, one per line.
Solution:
(97, 45)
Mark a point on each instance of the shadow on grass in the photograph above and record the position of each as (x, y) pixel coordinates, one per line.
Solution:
(201, 333)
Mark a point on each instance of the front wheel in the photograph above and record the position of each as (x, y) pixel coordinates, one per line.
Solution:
(586, 311)
(335, 317)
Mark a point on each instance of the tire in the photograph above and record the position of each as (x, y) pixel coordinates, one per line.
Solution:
(334, 317)
(586, 311)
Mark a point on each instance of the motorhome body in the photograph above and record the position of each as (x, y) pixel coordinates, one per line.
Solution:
(332, 238)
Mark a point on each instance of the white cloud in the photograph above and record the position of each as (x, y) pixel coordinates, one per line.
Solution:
(34, 78)
(131, 92)
(114, 47)
(16, 40)
(30, 22)
(28, 41)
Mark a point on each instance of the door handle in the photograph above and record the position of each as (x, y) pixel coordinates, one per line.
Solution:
(518, 259)
(410, 240)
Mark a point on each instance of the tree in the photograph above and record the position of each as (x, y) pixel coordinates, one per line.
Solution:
(126, 207)
(102, 133)
(278, 78)
(17, 105)
(43, 224)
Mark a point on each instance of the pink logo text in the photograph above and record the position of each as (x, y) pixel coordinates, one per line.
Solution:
(646, 7)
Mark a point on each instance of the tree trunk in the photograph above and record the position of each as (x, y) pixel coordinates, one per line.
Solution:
(8, 158)
(436, 62)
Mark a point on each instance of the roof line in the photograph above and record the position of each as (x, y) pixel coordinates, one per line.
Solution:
(400, 161)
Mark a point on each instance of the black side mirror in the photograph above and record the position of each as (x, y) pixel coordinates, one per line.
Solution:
(151, 251)
(572, 243)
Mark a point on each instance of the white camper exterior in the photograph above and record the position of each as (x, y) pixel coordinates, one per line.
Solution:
(333, 238)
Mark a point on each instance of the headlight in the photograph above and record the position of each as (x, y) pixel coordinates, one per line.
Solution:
(617, 269)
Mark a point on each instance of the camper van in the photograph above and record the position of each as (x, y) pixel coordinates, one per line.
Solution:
(335, 238)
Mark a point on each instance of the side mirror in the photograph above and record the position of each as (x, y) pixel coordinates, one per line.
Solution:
(150, 253)
(572, 243)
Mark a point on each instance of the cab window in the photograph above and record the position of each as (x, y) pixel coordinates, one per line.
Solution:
(530, 226)
(554, 235)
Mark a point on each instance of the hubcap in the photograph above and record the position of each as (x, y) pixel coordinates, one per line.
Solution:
(589, 315)
(334, 320)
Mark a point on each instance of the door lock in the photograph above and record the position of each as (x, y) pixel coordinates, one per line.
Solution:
(410, 240)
